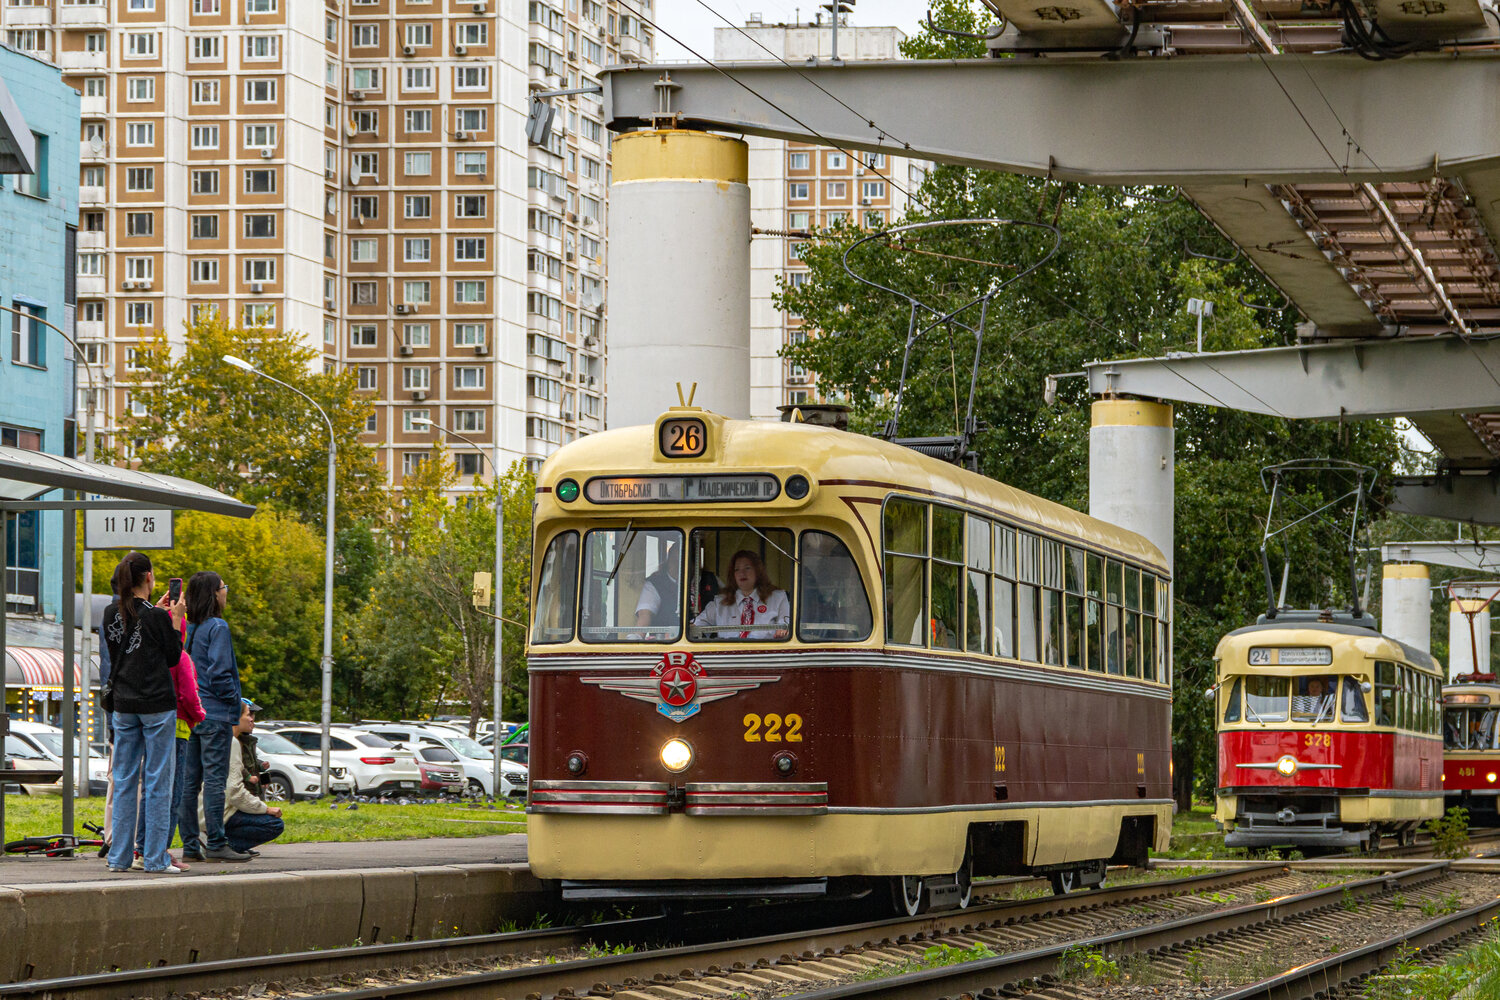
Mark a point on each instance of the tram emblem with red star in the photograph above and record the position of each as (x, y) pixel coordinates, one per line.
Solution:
(679, 686)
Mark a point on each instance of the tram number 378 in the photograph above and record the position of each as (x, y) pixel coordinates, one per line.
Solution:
(772, 728)
(1317, 740)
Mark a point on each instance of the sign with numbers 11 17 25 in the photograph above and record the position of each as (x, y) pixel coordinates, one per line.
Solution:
(128, 529)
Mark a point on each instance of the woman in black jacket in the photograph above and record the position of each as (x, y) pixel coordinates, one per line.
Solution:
(145, 642)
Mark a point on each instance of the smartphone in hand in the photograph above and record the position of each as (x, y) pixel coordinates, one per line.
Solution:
(174, 589)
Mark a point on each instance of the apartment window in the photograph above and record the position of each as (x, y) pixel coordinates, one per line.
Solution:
(368, 377)
(418, 378)
(260, 136)
(260, 269)
(140, 224)
(205, 227)
(798, 161)
(468, 335)
(418, 164)
(203, 312)
(419, 120)
(836, 161)
(468, 291)
(367, 120)
(836, 189)
(206, 6)
(469, 206)
(205, 271)
(362, 335)
(798, 220)
(372, 424)
(140, 45)
(472, 33)
(262, 47)
(260, 227)
(541, 263)
(258, 314)
(411, 461)
(418, 206)
(330, 246)
(872, 189)
(28, 337)
(91, 264)
(591, 170)
(416, 293)
(469, 248)
(140, 179)
(139, 314)
(410, 421)
(468, 420)
(831, 219)
(367, 164)
(588, 246)
(471, 77)
(365, 206)
(419, 33)
(27, 39)
(471, 119)
(797, 191)
(874, 218)
(207, 47)
(468, 377)
(91, 311)
(543, 222)
(416, 335)
(472, 161)
(593, 51)
(205, 137)
(330, 73)
(140, 133)
(259, 181)
(260, 6)
(417, 78)
(418, 248)
(540, 304)
(93, 222)
(364, 78)
(363, 250)
(140, 89)
(260, 91)
(205, 91)
(331, 30)
(365, 36)
(96, 86)
(140, 268)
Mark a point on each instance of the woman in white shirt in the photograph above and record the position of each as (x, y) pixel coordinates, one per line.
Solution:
(749, 599)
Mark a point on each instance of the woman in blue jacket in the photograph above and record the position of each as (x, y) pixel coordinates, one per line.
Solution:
(212, 650)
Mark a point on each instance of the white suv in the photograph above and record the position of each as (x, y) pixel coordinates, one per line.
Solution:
(48, 741)
(375, 766)
(292, 773)
(477, 762)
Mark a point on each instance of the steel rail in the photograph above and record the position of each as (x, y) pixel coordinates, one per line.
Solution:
(581, 975)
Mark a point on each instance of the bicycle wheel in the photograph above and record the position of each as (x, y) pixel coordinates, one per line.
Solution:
(36, 845)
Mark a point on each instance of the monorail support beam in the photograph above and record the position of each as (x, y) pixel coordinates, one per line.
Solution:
(1406, 604)
(1476, 557)
(679, 290)
(1131, 453)
(1466, 499)
(1468, 650)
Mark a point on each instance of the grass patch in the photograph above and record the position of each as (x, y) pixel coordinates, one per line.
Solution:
(934, 957)
(1476, 968)
(27, 816)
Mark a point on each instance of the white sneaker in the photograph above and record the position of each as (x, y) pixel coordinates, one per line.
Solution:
(169, 870)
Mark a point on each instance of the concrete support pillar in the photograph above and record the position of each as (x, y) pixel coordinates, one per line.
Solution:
(679, 274)
(1406, 604)
(1131, 468)
(1468, 652)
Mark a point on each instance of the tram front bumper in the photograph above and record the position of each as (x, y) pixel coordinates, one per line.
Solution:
(1294, 821)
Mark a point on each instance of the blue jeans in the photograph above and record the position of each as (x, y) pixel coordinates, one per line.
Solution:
(207, 769)
(142, 771)
(180, 757)
(247, 830)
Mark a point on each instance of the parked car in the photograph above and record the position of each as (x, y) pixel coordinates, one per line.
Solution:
(441, 771)
(49, 740)
(478, 764)
(288, 772)
(375, 766)
(22, 756)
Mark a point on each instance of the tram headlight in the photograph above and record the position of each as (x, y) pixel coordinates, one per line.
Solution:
(676, 755)
(567, 491)
(1490, 777)
(1286, 766)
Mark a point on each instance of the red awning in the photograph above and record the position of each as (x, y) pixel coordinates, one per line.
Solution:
(34, 667)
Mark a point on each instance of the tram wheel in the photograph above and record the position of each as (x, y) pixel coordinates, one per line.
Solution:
(1409, 837)
(907, 896)
(1064, 882)
(1374, 842)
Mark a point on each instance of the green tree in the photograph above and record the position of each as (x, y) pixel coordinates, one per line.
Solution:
(238, 433)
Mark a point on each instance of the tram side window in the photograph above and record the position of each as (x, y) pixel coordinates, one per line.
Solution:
(1028, 575)
(1052, 602)
(557, 591)
(620, 563)
(1114, 592)
(1232, 705)
(1266, 698)
(1004, 584)
(905, 531)
(1093, 612)
(1163, 631)
(977, 607)
(1353, 708)
(1073, 603)
(832, 603)
(947, 574)
(1148, 626)
(741, 582)
(1385, 693)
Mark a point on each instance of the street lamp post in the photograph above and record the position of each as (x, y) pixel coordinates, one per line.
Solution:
(327, 716)
(499, 679)
(85, 694)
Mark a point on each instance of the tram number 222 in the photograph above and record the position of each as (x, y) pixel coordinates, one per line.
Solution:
(772, 728)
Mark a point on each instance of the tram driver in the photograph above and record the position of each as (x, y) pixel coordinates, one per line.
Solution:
(1313, 700)
(750, 599)
(658, 604)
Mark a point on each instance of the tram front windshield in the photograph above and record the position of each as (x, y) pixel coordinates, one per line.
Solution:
(1310, 699)
(1469, 728)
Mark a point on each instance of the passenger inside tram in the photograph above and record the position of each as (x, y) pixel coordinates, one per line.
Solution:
(658, 603)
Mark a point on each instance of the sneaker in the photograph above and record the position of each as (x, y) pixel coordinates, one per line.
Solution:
(169, 870)
(138, 864)
(118, 871)
(225, 853)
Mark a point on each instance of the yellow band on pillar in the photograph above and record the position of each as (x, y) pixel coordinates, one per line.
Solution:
(679, 154)
(1130, 413)
(1406, 571)
(1472, 606)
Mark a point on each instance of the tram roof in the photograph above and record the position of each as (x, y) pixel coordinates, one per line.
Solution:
(834, 457)
(1394, 648)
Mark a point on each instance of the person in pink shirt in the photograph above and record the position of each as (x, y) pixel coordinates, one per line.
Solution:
(189, 714)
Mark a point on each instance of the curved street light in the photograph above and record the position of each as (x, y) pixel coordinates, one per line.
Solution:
(327, 716)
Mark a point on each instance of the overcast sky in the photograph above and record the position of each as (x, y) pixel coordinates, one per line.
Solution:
(694, 22)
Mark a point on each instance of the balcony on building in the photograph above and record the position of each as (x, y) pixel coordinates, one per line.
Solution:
(90, 239)
(75, 61)
(93, 286)
(72, 15)
(93, 107)
(633, 50)
(89, 329)
(91, 195)
(29, 17)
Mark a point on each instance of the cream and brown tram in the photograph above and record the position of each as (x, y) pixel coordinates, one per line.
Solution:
(1328, 734)
(779, 659)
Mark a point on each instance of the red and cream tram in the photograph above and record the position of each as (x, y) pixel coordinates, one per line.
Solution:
(1471, 745)
(779, 659)
(1328, 734)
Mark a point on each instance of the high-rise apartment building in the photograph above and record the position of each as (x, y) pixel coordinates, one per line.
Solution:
(356, 171)
(796, 187)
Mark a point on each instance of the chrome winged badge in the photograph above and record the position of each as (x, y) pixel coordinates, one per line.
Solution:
(679, 686)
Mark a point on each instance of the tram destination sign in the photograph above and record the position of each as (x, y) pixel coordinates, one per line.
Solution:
(1291, 656)
(682, 489)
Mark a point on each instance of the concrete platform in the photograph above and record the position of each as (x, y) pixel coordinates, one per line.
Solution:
(61, 917)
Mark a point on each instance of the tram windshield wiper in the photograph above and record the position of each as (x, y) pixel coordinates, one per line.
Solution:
(624, 551)
(768, 541)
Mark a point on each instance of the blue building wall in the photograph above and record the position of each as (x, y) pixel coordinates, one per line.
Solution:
(36, 272)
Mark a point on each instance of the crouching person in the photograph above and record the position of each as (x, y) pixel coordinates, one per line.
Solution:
(248, 821)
